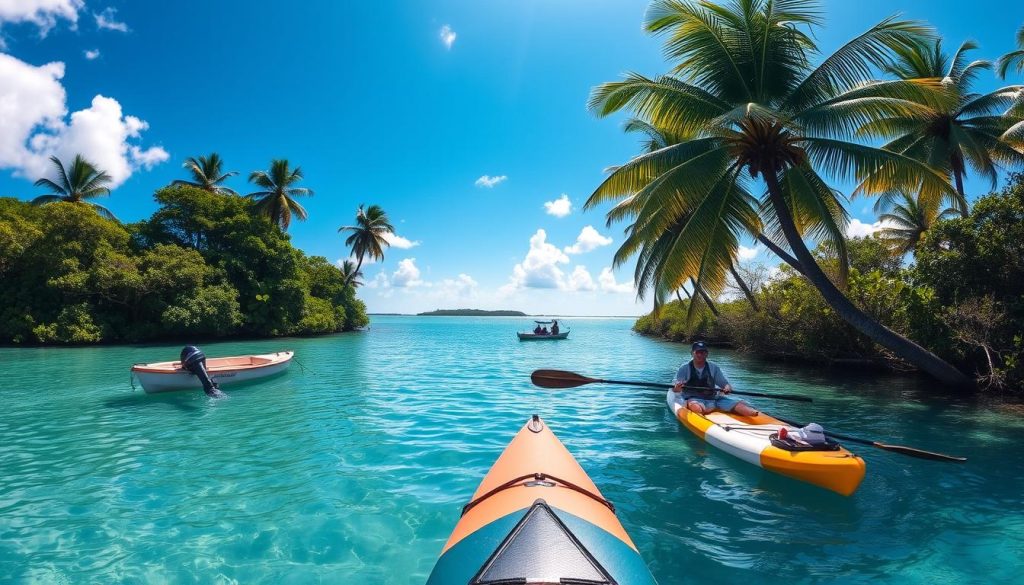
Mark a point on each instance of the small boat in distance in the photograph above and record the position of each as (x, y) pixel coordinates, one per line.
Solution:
(170, 376)
(542, 333)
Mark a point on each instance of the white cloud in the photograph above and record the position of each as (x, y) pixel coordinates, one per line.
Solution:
(93, 54)
(859, 229)
(108, 20)
(42, 13)
(580, 279)
(540, 267)
(488, 181)
(607, 281)
(589, 239)
(746, 253)
(33, 115)
(397, 241)
(447, 36)
(461, 286)
(407, 275)
(560, 207)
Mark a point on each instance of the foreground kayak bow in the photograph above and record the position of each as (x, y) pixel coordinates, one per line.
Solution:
(538, 518)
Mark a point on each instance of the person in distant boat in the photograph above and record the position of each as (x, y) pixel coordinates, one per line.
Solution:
(554, 328)
(537, 330)
(703, 386)
(544, 330)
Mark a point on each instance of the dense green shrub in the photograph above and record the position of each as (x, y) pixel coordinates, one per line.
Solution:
(203, 265)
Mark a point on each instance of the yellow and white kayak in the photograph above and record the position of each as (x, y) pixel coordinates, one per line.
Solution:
(749, 438)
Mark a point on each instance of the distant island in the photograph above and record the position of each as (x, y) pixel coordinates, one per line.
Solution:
(471, 313)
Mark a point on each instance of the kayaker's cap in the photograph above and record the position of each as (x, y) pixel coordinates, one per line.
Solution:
(699, 346)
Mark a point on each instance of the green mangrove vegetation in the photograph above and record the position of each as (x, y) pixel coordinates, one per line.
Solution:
(962, 297)
(208, 263)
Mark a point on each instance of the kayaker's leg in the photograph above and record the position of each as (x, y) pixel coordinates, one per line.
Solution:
(744, 409)
(696, 406)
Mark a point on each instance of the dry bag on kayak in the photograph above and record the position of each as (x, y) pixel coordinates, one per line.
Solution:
(809, 438)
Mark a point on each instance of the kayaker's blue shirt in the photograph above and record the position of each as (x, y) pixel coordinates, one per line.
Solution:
(714, 373)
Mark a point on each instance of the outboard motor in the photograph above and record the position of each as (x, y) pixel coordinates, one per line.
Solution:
(194, 360)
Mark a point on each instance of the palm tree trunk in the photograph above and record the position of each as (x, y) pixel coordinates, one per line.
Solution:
(962, 203)
(880, 334)
(781, 253)
(704, 295)
(743, 286)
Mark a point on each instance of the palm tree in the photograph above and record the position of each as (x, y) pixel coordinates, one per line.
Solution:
(368, 236)
(962, 129)
(910, 219)
(1013, 59)
(207, 174)
(751, 106)
(83, 182)
(277, 199)
(351, 274)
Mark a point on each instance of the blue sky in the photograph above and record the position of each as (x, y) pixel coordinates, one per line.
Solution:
(406, 104)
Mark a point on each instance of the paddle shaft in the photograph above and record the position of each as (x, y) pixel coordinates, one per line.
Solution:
(741, 393)
(912, 452)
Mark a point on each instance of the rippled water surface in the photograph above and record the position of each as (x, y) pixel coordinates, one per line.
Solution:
(353, 468)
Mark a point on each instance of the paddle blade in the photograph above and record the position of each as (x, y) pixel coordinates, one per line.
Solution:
(559, 379)
(920, 453)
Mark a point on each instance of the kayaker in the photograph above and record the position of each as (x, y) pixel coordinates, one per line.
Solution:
(700, 373)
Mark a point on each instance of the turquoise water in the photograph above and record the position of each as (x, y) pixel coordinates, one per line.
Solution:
(354, 469)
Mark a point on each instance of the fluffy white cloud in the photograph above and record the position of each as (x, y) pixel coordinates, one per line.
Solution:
(108, 20)
(560, 207)
(540, 267)
(607, 281)
(859, 229)
(407, 275)
(42, 13)
(33, 116)
(580, 279)
(461, 286)
(488, 181)
(447, 36)
(746, 253)
(397, 241)
(90, 55)
(589, 239)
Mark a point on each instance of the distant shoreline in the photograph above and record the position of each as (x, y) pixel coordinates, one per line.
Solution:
(471, 313)
(556, 316)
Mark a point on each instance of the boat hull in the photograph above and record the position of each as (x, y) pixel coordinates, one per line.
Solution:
(169, 377)
(747, 438)
(531, 479)
(535, 337)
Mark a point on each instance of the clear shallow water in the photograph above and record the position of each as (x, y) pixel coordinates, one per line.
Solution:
(354, 470)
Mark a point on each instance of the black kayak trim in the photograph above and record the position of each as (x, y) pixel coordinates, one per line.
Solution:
(538, 479)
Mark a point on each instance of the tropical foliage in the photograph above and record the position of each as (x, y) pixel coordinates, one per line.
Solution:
(963, 297)
(908, 219)
(761, 131)
(203, 265)
(1013, 59)
(207, 174)
(368, 236)
(954, 131)
(277, 198)
(77, 184)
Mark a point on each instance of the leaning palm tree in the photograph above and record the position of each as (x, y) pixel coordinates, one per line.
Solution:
(277, 199)
(350, 274)
(962, 130)
(207, 174)
(758, 117)
(369, 235)
(1014, 59)
(909, 219)
(83, 181)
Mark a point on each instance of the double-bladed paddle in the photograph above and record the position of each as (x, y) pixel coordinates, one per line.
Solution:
(563, 379)
(919, 453)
